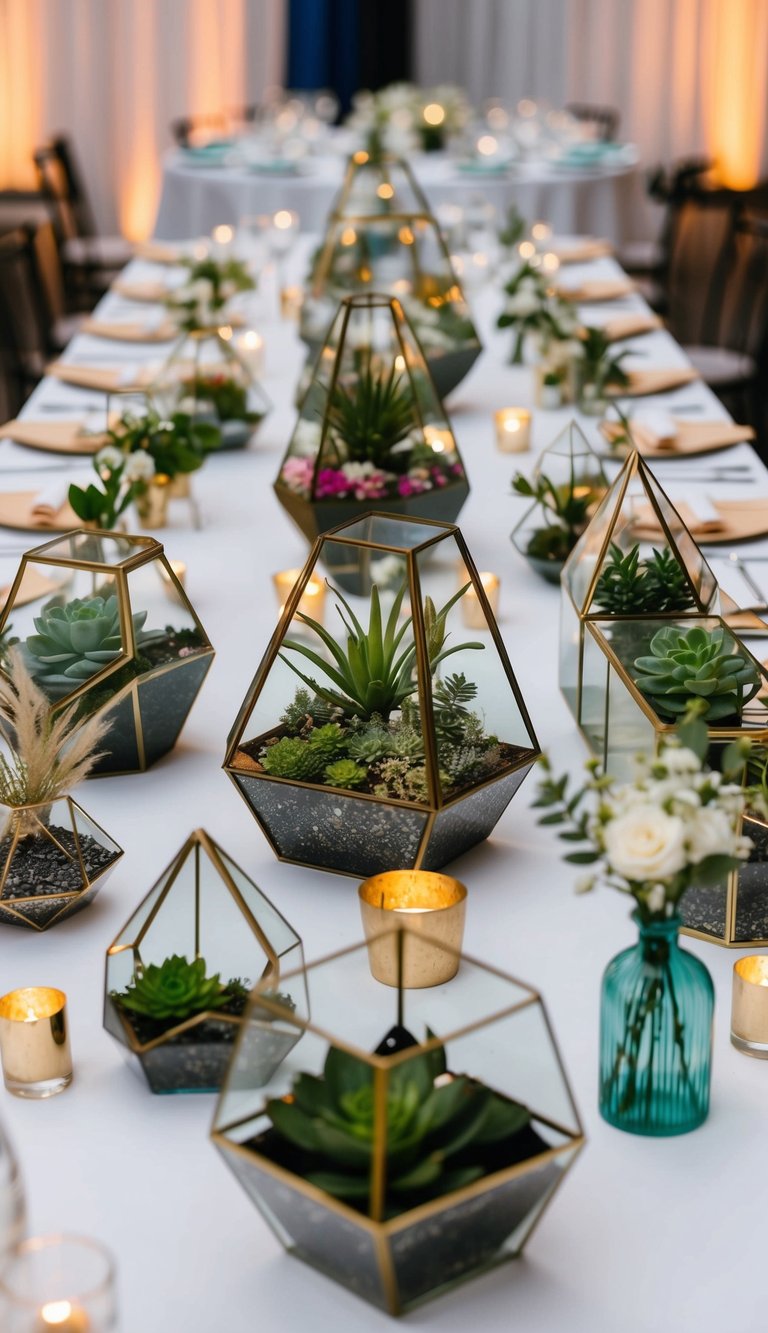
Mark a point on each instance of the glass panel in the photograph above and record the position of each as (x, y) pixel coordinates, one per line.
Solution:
(751, 903)
(571, 635)
(379, 184)
(469, 819)
(87, 548)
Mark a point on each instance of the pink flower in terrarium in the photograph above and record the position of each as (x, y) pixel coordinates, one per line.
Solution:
(331, 482)
(297, 473)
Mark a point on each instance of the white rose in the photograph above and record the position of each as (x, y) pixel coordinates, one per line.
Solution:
(108, 458)
(139, 467)
(710, 833)
(645, 843)
(523, 303)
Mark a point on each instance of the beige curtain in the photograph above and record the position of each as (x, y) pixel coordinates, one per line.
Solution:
(114, 73)
(687, 76)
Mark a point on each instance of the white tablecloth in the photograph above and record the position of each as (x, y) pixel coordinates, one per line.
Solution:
(196, 198)
(646, 1236)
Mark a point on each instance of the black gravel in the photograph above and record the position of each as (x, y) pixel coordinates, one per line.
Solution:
(39, 867)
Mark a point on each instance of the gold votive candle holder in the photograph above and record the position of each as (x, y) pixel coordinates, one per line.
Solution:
(749, 1006)
(312, 601)
(34, 1042)
(432, 907)
(291, 301)
(513, 429)
(472, 613)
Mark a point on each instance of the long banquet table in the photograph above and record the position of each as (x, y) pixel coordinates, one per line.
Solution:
(646, 1236)
(196, 196)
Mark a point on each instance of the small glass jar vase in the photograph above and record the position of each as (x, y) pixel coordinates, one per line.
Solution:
(592, 399)
(151, 504)
(656, 1009)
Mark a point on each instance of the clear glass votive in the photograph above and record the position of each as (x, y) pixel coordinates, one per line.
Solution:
(58, 1284)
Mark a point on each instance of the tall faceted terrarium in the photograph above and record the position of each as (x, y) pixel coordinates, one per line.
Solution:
(569, 483)
(103, 619)
(178, 975)
(371, 429)
(390, 736)
(402, 255)
(401, 1175)
(210, 374)
(377, 183)
(635, 563)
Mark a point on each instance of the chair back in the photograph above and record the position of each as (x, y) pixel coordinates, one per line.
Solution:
(64, 189)
(604, 118)
(25, 345)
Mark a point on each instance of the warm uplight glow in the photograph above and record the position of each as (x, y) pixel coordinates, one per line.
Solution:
(487, 145)
(434, 113)
(735, 91)
(385, 190)
(526, 249)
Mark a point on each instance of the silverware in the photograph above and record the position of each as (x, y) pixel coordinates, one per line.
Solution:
(739, 564)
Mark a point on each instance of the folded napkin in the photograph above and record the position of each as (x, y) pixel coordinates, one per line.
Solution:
(630, 326)
(581, 252)
(50, 500)
(642, 382)
(700, 517)
(600, 289)
(155, 328)
(141, 291)
(657, 427)
(58, 437)
(160, 252)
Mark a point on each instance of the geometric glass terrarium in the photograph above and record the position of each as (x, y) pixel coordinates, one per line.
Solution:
(206, 376)
(635, 563)
(377, 183)
(371, 427)
(179, 972)
(402, 1175)
(115, 628)
(567, 482)
(402, 255)
(391, 736)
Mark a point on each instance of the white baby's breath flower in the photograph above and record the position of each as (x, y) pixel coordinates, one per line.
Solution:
(645, 843)
(656, 898)
(679, 759)
(139, 467)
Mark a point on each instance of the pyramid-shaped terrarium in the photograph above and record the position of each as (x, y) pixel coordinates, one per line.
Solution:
(566, 486)
(371, 428)
(388, 737)
(377, 183)
(211, 374)
(179, 973)
(103, 619)
(413, 1139)
(403, 255)
(635, 563)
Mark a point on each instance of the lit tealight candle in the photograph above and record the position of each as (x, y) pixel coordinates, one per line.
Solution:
(34, 1042)
(249, 347)
(513, 429)
(312, 601)
(749, 1008)
(472, 613)
(432, 908)
(64, 1317)
(222, 238)
(434, 114)
(541, 231)
(487, 145)
(291, 300)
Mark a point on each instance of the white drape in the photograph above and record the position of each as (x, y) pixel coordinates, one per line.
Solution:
(687, 76)
(114, 73)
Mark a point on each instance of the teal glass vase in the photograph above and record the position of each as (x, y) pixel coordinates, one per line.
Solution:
(656, 1009)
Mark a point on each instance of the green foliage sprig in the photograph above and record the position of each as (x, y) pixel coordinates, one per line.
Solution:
(371, 415)
(599, 367)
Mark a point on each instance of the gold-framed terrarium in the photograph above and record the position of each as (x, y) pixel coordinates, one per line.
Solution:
(179, 974)
(413, 1139)
(383, 737)
(377, 183)
(211, 374)
(54, 859)
(566, 486)
(402, 255)
(636, 563)
(115, 630)
(371, 427)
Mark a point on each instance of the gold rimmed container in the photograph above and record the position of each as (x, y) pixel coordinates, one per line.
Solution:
(749, 1006)
(433, 907)
(34, 1042)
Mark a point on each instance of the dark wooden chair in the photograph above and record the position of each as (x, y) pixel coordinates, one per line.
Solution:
(605, 118)
(25, 343)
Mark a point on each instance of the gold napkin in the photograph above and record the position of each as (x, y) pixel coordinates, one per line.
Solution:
(154, 292)
(630, 326)
(56, 437)
(16, 511)
(34, 587)
(599, 289)
(647, 527)
(691, 437)
(131, 333)
(581, 252)
(643, 382)
(107, 380)
(159, 252)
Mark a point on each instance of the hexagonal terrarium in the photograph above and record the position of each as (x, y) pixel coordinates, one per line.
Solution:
(118, 631)
(566, 485)
(180, 971)
(635, 563)
(53, 860)
(371, 427)
(414, 1138)
(402, 255)
(390, 738)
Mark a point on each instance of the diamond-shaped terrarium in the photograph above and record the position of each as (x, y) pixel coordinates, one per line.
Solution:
(389, 737)
(53, 860)
(378, 183)
(402, 255)
(211, 374)
(413, 1138)
(371, 428)
(113, 627)
(180, 971)
(566, 486)
(635, 563)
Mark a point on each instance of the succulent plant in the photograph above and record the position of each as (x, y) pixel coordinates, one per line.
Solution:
(438, 1128)
(373, 673)
(76, 641)
(293, 758)
(367, 746)
(696, 663)
(345, 773)
(174, 989)
(631, 586)
(370, 416)
(565, 512)
(327, 742)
